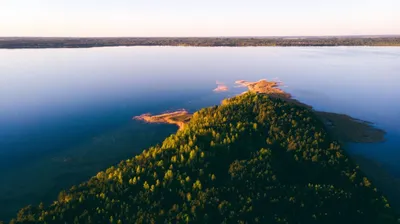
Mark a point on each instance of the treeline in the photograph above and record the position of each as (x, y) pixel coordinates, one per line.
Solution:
(197, 42)
(253, 159)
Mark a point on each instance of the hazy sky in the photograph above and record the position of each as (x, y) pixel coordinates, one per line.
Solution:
(198, 18)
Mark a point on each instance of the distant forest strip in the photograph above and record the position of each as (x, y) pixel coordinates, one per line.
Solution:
(60, 42)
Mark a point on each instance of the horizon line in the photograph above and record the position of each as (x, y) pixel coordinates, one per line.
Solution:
(255, 36)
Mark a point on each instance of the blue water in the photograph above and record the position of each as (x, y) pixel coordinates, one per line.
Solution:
(59, 107)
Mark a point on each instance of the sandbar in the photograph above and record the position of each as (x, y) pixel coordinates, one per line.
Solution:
(221, 87)
(179, 118)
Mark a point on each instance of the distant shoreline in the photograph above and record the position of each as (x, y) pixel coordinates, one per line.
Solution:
(67, 42)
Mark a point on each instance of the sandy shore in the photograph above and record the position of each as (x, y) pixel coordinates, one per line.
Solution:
(178, 118)
(264, 86)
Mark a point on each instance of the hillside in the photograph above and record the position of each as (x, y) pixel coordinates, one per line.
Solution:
(253, 159)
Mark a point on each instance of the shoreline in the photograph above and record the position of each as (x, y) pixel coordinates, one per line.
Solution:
(342, 127)
(381, 176)
(250, 46)
(179, 118)
(273, 41)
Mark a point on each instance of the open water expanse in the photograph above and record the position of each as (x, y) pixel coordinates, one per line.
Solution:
(66, 114)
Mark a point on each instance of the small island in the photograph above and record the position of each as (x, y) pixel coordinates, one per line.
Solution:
(221, 87)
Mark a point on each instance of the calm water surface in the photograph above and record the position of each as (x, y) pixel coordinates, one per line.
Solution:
(66, 113)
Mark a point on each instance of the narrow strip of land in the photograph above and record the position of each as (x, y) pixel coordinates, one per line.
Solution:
(64, 42)
(178, 118)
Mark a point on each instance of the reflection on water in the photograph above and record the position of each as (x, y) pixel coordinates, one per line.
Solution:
(66, 113)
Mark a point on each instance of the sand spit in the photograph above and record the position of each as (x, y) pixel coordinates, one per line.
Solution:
(179, 118)
(264, 86)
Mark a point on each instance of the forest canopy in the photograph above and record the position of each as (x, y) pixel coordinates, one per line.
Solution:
(253, 159)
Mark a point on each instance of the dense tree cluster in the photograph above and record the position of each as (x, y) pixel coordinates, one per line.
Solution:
(253, 159)
(196, 41)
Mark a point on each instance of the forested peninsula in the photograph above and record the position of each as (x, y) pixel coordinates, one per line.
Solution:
(255, 158)
(76, 42)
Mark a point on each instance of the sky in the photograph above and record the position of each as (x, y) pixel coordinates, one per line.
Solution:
(101, 18)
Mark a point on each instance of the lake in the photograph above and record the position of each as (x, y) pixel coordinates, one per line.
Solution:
(65, 114)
